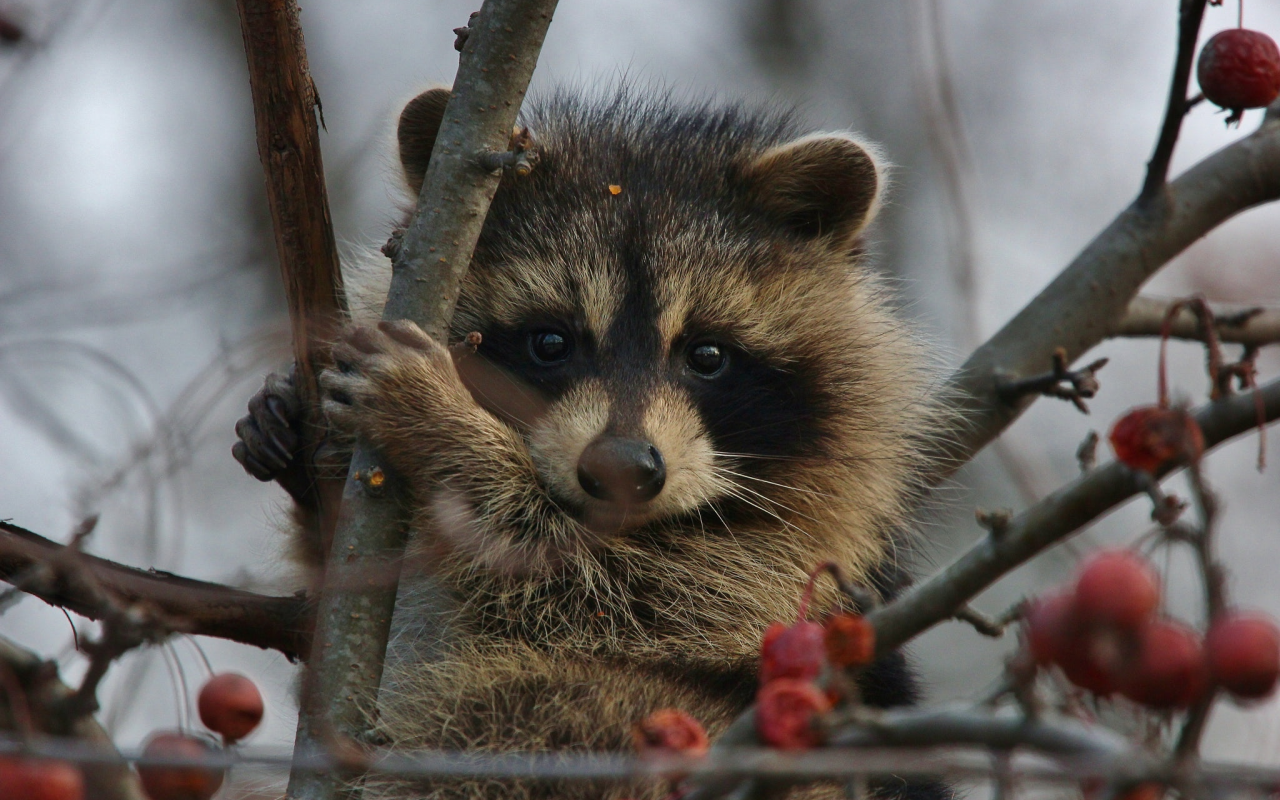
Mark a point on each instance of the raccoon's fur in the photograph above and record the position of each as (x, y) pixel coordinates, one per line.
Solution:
(689, 392)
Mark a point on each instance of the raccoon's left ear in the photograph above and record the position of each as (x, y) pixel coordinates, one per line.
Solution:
(825, 186)
(416, 134)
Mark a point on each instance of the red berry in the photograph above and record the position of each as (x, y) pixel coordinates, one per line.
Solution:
(230, 705)
(1148, 437)
(1244, 654)
(1169, 670)
(1117, 587)
(785, 712)
(1050, 626)
(1096, 657)
(795, 651)
(1239, 69)
(39, 779)
(670, 731)
(850, 640)
(176, 782)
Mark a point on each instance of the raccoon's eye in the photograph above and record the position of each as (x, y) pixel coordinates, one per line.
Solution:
(549, 347)
(708, 359)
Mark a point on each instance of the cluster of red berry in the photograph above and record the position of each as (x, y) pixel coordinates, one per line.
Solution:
(229, 704)
(1105, 634)
(793, 658)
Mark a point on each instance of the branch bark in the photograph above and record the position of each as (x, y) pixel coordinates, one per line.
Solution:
(191, 606)
(1252, 326)
(1190, 15)
(352, 625)
(284, 99)
(1079, 308)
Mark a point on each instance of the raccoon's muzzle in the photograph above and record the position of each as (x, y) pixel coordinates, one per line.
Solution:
(623, 471)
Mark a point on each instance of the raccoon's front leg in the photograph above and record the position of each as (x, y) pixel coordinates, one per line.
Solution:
(467, 469)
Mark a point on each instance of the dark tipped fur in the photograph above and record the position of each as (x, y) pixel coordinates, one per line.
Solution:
(695, 273)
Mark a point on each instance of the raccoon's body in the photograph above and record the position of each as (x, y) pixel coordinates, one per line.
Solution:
(689, 392)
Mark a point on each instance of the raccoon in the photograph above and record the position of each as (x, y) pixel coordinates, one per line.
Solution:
(689, 390)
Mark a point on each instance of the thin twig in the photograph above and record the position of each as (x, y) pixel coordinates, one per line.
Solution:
(1061, 382)
(1255, 326)
(1190, 14)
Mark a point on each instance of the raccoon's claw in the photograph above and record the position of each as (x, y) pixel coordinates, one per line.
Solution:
(368, 354)
(269, 434)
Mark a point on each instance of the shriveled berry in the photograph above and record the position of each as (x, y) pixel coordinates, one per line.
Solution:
(1169, 670)
(230, 705)
(1117, 587)
(795, 651)
(178, 782)
(1050, 626)
(1239, 69)
(39, 779)
(850, 640)
(1243, 651)
(670, 731)
(1148, 437)
(786, 710)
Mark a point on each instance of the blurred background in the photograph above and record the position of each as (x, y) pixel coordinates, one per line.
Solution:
(140, 304)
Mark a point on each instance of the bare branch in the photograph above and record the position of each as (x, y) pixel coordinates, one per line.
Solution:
(284, 99)
(1078, 309)
(189, 606)
(1190, 14)
(1252, 326)
(352, 624)
(1044, 524)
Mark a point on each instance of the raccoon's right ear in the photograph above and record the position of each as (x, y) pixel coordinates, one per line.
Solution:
(416, 133)
(824, 186)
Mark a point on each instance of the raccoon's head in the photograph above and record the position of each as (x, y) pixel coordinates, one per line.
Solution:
(679, 325)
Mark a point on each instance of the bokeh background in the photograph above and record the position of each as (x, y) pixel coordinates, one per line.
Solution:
(140, 303)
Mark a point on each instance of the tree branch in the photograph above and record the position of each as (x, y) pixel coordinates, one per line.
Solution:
(284, 99)
(1057, 516)
(1190, 15)
(190, 606)
(352, 624)
(1252, 326)
(1079, 308)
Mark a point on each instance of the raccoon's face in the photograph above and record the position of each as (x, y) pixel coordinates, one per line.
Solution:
(672, 315)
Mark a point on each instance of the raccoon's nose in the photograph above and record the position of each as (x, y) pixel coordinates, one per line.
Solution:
(621, 470)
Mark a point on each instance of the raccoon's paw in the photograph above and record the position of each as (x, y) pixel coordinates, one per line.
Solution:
(269, 435)
(377, 366)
